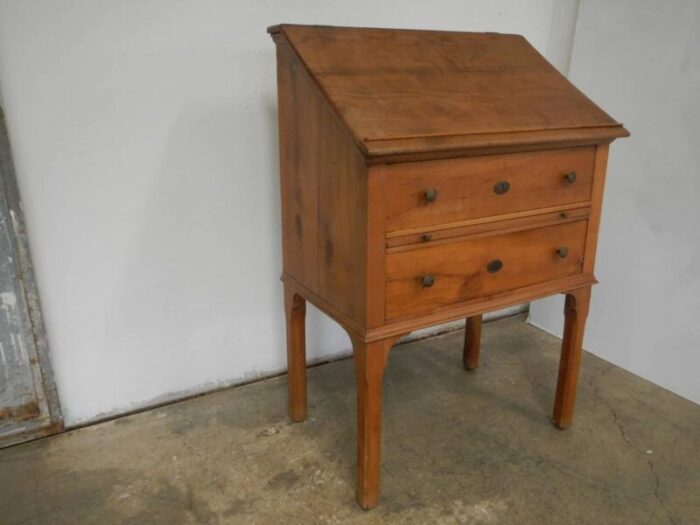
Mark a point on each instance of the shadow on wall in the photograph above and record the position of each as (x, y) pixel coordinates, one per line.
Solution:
(203, 273)
(207, 255)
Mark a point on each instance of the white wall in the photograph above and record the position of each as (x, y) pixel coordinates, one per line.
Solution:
(641, 62)
(144, 136)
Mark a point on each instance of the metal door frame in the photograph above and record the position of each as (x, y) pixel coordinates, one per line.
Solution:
(43, 417)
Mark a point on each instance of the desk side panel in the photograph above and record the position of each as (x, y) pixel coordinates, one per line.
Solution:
(324, 193)
(298, 123)
(599, 169)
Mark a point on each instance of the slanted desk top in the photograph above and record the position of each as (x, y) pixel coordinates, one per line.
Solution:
(429, 176)
(392, 88)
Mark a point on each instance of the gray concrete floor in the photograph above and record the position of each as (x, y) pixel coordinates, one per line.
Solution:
(459, 448)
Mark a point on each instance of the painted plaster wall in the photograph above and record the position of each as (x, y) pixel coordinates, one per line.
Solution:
(641, 62)
(144, 136)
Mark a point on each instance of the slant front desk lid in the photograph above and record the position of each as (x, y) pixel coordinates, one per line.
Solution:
(403, 92)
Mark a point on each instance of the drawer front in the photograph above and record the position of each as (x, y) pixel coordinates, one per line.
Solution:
(421, 280)
(425, 194)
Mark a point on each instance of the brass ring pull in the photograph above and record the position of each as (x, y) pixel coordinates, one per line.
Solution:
(430, 195)
(427, 281)
(563, 252)
(501, 187)
(494, 266)
(570, 177)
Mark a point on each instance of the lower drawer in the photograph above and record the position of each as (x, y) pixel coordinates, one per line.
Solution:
(422, 280)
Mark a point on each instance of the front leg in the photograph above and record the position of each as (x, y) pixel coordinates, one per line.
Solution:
(370, 362)
(295, 315)
(575, 313)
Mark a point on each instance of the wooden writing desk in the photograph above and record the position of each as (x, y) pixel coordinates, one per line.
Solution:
(430, 176)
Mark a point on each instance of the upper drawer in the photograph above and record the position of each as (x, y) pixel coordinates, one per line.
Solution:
(425, 194)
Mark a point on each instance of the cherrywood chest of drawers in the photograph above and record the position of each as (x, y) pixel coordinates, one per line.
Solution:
(430, 176)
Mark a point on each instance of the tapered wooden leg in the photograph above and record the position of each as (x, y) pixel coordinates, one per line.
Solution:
(472, 342)
(295, 313)
(575, 313)
(370, 362)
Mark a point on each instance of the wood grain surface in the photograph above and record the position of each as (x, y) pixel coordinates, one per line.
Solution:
(466, 188)
(460, 269)
(405, 85)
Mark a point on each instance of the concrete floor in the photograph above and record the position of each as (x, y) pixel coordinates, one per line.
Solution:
(459, 448)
